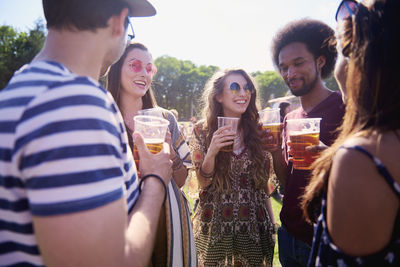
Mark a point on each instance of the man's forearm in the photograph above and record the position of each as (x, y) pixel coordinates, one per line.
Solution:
(142, 227)
(280, 167)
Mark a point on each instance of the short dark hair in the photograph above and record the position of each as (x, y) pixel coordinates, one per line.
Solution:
(318, 37)
(81, 14)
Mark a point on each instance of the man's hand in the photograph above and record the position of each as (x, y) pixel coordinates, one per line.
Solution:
(270, 142)
(159, 163)
(318, 148)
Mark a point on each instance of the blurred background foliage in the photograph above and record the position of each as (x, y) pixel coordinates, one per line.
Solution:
(178, 83)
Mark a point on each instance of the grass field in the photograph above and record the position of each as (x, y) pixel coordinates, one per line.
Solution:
(189, 189)
(276, 206)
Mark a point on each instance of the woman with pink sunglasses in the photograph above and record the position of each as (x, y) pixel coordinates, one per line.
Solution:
(129, 81)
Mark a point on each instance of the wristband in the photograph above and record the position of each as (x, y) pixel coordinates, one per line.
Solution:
(275, 228)
(176, 163)
(205, 175)
(157, 177)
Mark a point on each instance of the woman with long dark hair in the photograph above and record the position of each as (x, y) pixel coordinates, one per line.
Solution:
(354, 194)
(129, 81)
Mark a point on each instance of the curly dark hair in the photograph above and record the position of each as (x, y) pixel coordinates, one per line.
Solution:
(318, 37)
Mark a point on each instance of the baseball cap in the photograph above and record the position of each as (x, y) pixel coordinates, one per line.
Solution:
(141, 8)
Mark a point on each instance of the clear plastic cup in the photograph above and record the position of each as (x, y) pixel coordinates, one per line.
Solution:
(153, 129)
(233, 122)
(271, 124)
(301, 134)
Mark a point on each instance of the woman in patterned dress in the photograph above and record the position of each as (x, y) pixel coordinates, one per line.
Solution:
(233, 223)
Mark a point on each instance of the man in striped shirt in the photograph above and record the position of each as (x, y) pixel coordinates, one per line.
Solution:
(69, 192)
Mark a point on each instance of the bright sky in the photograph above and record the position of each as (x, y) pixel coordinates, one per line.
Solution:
(224, 33)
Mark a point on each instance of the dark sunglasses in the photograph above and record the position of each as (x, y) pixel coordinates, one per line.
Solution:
(130, 32)
(136, 65)
(235, 88)
(347, 8)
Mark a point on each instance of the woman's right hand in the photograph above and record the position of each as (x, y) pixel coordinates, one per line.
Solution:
(223, 136)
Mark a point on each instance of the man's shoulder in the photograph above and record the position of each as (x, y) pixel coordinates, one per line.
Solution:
(332, 106)
(335, 96)
(43, 75)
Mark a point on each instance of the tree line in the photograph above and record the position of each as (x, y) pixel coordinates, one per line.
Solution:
(178, 83)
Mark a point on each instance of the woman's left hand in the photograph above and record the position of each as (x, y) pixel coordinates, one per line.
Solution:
(168, 139)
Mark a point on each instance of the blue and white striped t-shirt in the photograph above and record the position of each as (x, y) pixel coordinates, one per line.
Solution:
(63, 149)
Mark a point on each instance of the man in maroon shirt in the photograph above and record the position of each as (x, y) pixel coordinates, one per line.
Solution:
(304, 54)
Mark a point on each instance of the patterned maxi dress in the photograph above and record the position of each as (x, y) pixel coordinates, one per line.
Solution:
(232, 229)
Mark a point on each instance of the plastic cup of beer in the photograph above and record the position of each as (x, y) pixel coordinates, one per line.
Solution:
(153, 129)
(301, 134)
(271, 121)
(233, 122)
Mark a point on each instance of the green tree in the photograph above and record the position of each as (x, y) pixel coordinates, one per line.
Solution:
(270, 85)
(179, 84)
(18, 48)
(331, 83)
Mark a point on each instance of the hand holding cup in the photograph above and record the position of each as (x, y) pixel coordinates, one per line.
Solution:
(223, 137)
(272, 129)
(303, 133)
(153, 130)
(226, 133)
(163, 168)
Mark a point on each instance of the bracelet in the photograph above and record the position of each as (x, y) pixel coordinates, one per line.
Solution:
(204, 174)
(157, 177)
(275, 227)
(176, 163)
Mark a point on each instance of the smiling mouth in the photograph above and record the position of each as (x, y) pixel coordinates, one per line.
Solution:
(141, 83)
(243, 101)
(294, 82)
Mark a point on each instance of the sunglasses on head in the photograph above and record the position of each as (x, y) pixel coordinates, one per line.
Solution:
(137, 66)
(347, 8)
(235, 88)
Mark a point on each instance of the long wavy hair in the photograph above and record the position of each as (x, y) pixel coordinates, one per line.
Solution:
(113, 83)
(248, 126)
(371, 41)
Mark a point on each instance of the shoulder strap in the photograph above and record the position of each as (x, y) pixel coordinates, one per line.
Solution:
(380, 167)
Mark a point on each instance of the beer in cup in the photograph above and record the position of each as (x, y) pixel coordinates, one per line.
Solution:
(271, 121)
(301, 134)
(233, 122)
(153, 129)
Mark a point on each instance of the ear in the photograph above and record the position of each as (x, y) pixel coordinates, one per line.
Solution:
(321, 60)
(218, 98)
(117, 22)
